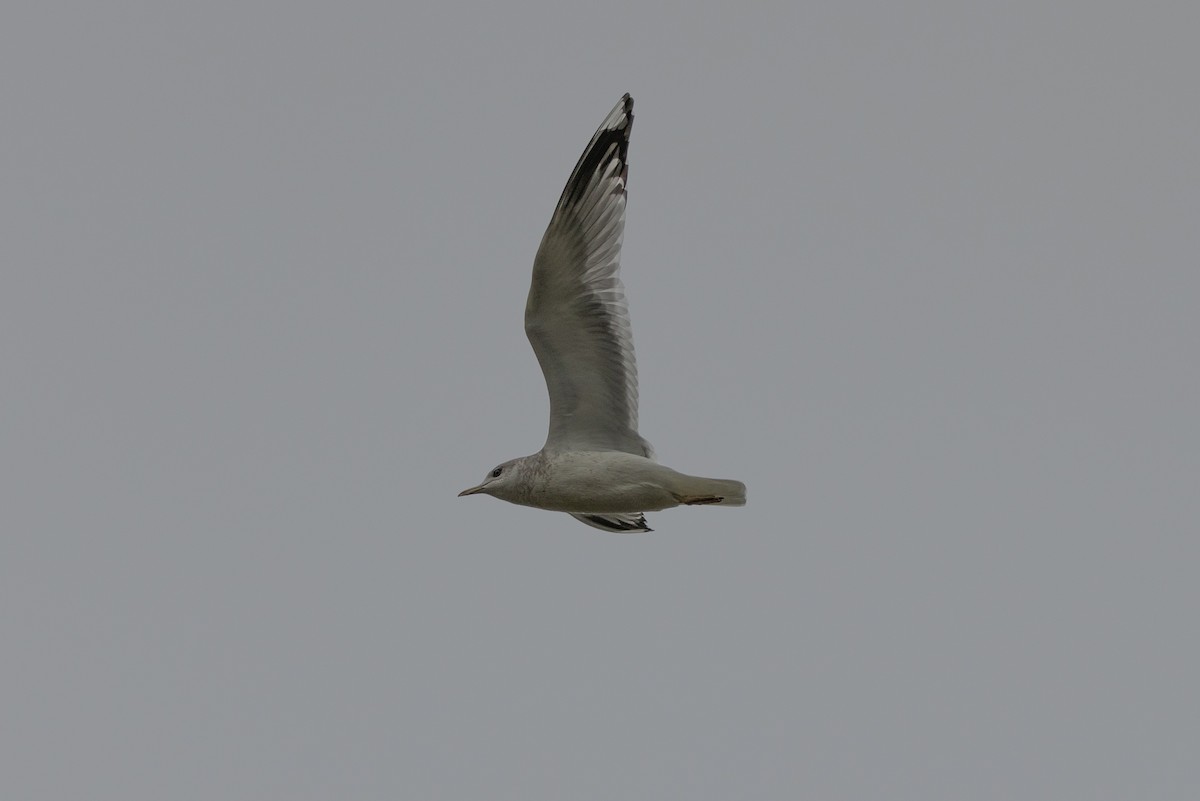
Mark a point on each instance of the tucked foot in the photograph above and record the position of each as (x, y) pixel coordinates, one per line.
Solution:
(699, 500)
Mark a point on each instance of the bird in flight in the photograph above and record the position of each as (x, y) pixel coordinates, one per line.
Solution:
(594, 465)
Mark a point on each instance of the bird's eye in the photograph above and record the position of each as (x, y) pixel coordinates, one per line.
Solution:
(496, 473)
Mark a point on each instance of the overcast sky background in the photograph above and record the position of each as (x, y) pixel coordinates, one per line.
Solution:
(923, 275)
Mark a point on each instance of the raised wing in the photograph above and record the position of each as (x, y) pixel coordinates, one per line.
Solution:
(576, 317)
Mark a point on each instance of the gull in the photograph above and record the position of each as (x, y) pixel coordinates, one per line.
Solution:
(594, 464)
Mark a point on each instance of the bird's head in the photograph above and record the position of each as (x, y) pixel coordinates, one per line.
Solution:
(499, 481)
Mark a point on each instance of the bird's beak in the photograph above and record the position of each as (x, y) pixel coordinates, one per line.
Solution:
(470, 491)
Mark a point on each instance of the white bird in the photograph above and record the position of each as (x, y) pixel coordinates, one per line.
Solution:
(594, 465)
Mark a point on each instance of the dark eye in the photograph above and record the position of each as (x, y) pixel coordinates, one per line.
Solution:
(496, 473)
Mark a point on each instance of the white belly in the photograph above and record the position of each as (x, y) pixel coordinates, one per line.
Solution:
(604, 481)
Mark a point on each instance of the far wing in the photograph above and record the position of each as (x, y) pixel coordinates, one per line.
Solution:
(622, 523)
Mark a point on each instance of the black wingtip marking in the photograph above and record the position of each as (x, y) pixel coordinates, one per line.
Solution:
(618, 525)
(599, 151)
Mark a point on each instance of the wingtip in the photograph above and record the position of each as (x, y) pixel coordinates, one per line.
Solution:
(609, 143)
(620, 118)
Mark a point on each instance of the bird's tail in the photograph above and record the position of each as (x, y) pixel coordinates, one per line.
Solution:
(696, 491)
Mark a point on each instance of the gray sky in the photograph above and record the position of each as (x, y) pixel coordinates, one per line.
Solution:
(923, 275)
